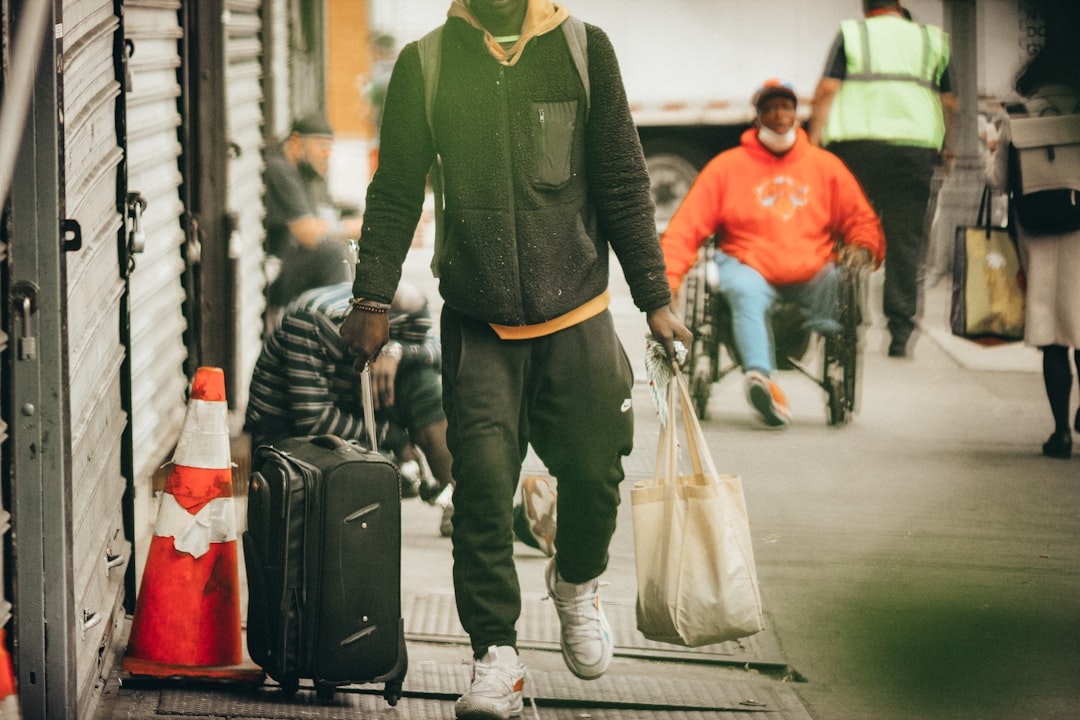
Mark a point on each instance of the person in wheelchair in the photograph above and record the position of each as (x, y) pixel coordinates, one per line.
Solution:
(783, 214)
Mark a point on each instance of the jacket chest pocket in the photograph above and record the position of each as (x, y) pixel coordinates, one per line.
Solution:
(554, 124)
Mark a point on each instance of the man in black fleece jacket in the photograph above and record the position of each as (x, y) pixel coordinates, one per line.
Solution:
(540, 181)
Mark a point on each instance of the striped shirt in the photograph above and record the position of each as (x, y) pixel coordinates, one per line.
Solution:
(304, 381)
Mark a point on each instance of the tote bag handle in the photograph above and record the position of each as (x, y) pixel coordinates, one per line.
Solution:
(667, 460)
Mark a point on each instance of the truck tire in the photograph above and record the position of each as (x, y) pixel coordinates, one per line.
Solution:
(673, 166)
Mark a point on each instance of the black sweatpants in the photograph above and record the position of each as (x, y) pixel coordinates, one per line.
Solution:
(896, 179)
(566, 394)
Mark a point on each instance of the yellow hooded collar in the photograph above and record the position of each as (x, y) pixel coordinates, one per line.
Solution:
(541, 16)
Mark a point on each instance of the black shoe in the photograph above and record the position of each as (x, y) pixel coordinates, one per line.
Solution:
(446, 524)
(898, 348)
(429, 488)
(1058, 446)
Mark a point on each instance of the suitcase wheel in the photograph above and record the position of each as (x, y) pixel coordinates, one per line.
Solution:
(324, 691)
(289, 685)
(392, 692)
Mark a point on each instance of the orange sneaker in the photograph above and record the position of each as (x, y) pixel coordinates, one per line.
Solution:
(768, 399)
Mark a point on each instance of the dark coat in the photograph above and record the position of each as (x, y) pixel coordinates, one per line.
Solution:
(535, 194)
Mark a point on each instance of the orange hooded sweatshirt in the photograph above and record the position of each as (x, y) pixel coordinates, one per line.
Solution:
(781, 215)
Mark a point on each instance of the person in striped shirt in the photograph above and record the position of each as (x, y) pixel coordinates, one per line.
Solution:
(305, 380)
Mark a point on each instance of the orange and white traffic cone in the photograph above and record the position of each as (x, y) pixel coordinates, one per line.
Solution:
(187, 612)
(9, 698)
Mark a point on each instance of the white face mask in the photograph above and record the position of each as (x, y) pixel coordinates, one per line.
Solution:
(775, 141)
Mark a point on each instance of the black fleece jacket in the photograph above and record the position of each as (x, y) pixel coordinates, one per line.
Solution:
(535, 192)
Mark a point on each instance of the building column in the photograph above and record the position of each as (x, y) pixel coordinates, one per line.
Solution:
(961, 188)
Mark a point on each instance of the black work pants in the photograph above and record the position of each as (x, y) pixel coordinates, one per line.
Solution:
(896, 179)
(566, 394)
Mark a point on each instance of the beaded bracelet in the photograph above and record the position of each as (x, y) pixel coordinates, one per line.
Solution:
(370, 306)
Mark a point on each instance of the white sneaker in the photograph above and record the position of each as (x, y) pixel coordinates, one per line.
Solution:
(586, 635)
(497, 681)
(539, 498)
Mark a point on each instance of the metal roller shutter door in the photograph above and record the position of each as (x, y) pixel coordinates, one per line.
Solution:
(244, 97)
(95, 292)
(157, 293)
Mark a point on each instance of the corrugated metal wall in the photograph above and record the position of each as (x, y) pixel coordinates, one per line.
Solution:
(243, 50)
(278, 68)
(157, 294)
(95, 288)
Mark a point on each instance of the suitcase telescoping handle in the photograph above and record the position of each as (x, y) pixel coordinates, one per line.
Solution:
(369, 407)
(351, 256)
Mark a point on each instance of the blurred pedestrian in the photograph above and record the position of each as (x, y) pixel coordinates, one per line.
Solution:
(540, 176)
(1049, 84)
(884, 106)
(775, 206)
(304, 228)
(535, 514)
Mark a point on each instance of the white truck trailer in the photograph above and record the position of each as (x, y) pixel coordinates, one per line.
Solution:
(691, 66)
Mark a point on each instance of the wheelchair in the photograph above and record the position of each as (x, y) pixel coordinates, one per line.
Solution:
(708, 317)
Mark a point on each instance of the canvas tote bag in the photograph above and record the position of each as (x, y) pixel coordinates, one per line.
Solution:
(697, 583)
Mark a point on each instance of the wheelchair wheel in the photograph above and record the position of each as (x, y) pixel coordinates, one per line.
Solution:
(841, 363)
(699, 315)
(838, 408)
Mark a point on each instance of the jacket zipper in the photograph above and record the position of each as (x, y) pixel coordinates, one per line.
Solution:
(511, 205)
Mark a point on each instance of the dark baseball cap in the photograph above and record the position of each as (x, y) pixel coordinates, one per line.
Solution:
(316, 124)
(774, 88)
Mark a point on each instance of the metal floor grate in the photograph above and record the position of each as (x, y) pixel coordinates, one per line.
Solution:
(432, 617)
(431, 688)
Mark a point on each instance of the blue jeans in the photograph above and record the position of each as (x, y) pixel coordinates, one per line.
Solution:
(751, 299)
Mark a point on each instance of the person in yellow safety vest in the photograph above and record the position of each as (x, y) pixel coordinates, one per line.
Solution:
(884, 105)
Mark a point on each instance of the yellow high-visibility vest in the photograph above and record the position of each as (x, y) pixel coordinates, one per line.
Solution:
(890, 93)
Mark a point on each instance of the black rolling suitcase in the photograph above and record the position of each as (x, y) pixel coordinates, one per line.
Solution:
(323, 556)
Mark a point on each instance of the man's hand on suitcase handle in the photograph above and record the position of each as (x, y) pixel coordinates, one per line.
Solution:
(384, 368)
